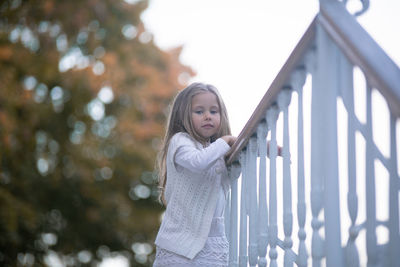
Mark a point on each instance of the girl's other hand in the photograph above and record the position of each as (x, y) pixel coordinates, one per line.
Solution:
(279, 150)
(229, 139)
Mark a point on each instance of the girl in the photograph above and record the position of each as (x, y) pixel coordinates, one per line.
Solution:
(193, 180)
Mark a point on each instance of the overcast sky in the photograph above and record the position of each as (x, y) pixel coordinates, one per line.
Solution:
(240, 46)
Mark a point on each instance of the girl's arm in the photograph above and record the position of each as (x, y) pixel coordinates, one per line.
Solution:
(198, 160)
(229, 139)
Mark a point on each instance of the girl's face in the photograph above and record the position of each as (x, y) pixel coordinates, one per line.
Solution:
(206, 117)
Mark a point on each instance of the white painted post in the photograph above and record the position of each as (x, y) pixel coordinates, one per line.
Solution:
(370, 188)
(346, 86)
(317, 121)
(272, 116)
(252, 191)
(262, 195)
(298, 80)
(284, 98)
(243, 211)
(326, 93)
(394, 187)
(234, 173)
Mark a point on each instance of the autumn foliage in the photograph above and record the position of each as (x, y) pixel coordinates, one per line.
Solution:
(83, 98)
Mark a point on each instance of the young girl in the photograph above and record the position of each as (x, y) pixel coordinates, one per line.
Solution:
(193, 180)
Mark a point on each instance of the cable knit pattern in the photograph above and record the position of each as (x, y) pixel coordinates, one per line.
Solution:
(191, 198)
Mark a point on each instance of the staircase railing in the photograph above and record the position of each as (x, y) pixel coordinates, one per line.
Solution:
(338, 222)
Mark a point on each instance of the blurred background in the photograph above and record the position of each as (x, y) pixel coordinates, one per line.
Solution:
(83, 96)
(84, 92)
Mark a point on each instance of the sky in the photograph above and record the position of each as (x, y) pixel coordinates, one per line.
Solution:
(240, 46)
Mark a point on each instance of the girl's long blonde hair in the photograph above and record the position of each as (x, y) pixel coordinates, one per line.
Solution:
(180, 120)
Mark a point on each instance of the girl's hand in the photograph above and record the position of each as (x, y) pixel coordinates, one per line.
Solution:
(229, 139)
(279, 150)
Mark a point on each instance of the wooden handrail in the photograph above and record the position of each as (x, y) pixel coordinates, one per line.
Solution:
(272, 93)
(380, 71)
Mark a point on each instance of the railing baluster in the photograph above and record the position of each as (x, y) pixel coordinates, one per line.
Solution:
(252, 192)
(234, 172)
(272, 116)
(394, 187)
(298, 80)
(317, 172)
(346, 86)
(283, 103)
(328, 73)
(262, 195)
(370, 188)
(243, 211)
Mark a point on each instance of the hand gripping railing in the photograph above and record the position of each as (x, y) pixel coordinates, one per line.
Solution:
(326, 56)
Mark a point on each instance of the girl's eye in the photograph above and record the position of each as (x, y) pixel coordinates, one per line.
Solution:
(214, 111)
(198, 112)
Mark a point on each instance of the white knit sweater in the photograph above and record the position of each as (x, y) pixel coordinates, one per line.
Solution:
(191, 196)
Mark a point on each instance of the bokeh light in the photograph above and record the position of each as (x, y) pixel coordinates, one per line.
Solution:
(40, 93)
(141, 250)
(30, 83)
(129, 31)
(49, 239)
(96, 109)
(84, 256)
(106, 95)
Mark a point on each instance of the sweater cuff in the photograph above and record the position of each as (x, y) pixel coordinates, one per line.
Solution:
(223, 145)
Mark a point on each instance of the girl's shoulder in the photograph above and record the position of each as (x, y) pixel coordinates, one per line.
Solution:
(182, 138)
(181, 135)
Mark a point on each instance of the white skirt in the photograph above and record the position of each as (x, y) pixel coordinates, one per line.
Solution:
(214, 253)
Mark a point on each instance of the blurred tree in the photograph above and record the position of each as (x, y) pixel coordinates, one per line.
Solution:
(83, 95)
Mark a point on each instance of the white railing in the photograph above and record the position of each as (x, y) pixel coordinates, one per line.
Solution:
(331, 156)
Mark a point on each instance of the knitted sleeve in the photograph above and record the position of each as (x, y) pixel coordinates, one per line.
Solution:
(198, 159)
